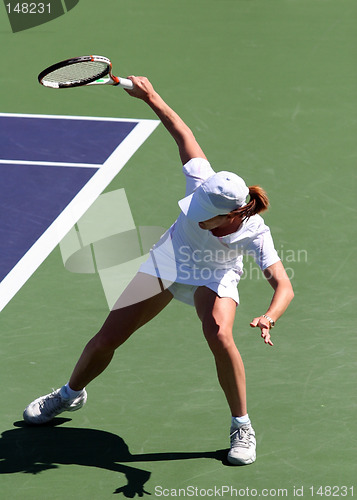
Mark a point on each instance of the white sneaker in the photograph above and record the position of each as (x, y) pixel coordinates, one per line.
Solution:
(45, 408)
(243, 445)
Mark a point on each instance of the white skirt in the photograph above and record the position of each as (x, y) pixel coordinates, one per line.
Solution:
(184, 292)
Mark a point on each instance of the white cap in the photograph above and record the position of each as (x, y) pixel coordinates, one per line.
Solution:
(220, 194)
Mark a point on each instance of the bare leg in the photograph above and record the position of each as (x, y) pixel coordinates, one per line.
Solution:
(119, 325)
(217, 316)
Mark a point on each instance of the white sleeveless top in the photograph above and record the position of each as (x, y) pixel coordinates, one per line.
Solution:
(193, 256)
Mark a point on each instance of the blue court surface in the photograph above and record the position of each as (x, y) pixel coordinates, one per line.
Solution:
(31, 205)
(55, 140)
(46, 163)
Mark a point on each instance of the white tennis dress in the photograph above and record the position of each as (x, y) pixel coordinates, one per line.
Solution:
(187, 256)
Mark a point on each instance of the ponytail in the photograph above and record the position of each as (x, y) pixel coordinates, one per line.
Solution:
(258, 202)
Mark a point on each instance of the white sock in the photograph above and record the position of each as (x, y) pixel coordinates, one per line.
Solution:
(70, 393)
(238, 421)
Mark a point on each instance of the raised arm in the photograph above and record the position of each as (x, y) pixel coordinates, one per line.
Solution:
(283, 295)
(186, 142)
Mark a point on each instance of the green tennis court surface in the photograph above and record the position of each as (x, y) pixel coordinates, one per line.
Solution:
(269, 88)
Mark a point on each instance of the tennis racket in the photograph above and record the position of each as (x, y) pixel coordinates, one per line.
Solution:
(79, 71)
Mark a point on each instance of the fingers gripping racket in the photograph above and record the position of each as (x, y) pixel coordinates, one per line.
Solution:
(79, 71)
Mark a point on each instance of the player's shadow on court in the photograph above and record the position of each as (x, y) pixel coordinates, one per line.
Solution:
(33, 449)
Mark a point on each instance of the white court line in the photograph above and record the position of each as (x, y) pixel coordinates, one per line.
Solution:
(22, 271)
(50, 163)
(72, 117)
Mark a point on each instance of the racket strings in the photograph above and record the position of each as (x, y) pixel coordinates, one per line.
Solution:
(79, 72)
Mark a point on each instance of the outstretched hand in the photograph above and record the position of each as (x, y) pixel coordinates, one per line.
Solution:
(143, 89)
(264, 326)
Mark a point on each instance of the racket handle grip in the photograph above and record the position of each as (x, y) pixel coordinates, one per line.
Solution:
(125, 83)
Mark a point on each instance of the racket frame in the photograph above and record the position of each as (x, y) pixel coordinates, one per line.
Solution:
(106, 74)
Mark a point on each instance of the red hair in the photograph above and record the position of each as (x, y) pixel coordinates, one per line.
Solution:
(258, 202)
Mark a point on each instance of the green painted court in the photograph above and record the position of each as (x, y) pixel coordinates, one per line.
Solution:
(269, 89)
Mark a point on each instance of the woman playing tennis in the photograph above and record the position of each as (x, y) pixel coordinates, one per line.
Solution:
(198, 261)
